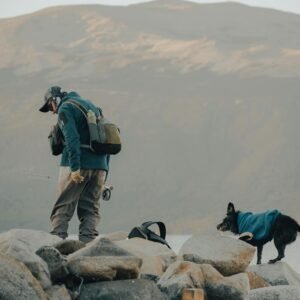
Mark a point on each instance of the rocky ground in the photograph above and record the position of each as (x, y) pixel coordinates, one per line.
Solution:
(36, 265)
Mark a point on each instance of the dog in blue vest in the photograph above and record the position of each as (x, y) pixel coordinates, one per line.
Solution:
(259, 229)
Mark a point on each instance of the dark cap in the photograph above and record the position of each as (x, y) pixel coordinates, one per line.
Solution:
(52, 92)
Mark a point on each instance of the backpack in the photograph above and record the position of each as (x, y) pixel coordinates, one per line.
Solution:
(144, 232)
(104, 135)
(56, 140)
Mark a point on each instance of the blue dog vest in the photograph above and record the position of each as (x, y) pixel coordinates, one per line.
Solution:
(260, 225)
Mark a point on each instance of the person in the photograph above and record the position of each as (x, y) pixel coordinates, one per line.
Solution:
(82, 173)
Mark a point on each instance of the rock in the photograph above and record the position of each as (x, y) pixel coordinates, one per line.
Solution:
(139, 289)
(151, 277)
(156, 257)
(100, 247)
(179, 276)
(116, 236)
(57, 264)
(59, 271)
(101, 268)
(17, 282)
(22, 245)
(184, 275)
(256, 281)
(193, 294)
(228, 255)
(217, 287)
(279, 273)
(74, 284)
(67, 247)
(58, 292)
(282, 292)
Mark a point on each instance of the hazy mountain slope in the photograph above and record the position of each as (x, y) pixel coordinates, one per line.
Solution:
(206, 97)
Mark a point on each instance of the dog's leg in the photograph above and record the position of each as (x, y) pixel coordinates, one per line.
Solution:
(280, 246)
(259, 253)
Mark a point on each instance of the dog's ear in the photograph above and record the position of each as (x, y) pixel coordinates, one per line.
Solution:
(230, 208)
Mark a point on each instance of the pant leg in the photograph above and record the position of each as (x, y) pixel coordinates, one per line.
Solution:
(89, 204)
(63, 210)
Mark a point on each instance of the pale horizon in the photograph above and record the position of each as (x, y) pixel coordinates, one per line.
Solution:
(13, 8)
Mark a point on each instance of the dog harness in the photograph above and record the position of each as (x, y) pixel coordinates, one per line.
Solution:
(260, 225)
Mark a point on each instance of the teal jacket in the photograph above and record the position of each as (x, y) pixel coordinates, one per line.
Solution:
(74, 127)
(260, 225)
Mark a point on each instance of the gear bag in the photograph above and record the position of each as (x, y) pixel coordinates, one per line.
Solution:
(144, 232)
(56, 140)
(104, 135)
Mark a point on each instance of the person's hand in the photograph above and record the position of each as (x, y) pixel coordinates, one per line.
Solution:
(76, 177)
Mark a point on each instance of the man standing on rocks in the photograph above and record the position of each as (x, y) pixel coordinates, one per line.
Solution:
(82, 172)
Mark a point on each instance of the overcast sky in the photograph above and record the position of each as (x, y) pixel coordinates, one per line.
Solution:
(9, 8)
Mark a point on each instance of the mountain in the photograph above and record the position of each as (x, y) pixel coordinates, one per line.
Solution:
(206, 96)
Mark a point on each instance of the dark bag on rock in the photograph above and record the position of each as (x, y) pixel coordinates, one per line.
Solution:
(145, 233)
(56, 140)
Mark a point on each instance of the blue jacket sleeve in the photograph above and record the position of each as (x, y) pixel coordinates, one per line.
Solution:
(67, 124)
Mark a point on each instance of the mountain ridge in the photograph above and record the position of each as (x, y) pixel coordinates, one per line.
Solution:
(208, 110)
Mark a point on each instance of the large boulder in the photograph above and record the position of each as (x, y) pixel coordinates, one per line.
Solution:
(139, 289)
(283, 292)
(156, 256)
(279, 273)
(59, 292)
(57, 263)
(100, 247)
(116, 236)
(102, 268)
(180, 276)
(17, 282)
(22, 245)
(67, 247)
(256, 281)
(183, 275)
(228, 255)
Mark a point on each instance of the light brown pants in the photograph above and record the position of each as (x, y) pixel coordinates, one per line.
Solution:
(86, 196)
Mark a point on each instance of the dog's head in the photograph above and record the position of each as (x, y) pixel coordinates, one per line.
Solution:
(229, 223)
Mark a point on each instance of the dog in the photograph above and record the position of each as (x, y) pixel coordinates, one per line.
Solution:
(258, 229)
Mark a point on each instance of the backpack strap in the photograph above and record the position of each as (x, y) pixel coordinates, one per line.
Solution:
(152, 236)
(144, 232)
(79, 106)
(161, 226)
(84, 111)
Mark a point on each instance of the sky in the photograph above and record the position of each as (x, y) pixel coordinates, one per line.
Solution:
(10, 8)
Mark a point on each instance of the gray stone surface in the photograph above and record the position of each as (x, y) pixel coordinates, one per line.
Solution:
(151, 277)
(279, 273)
(22, 245)
(182, 274)
(58, 292)
(17, 282)
(67, 247)
(100, 247)
(156, 257)
(283, 292)
(101, 268)
(256, 281)
(57, 263)
(139, 289)
(228, 255)
(116, 236)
